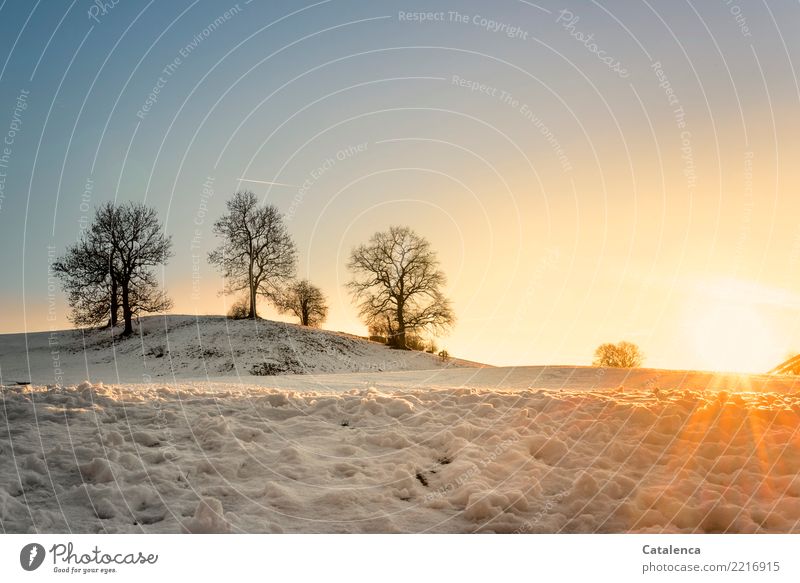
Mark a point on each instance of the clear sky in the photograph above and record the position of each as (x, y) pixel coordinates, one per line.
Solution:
(587, 171)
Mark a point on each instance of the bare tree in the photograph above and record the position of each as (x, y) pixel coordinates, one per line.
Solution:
(137, 244)
(87, 278)
(620, 355)
(304, 300)
(257, 254)
(109, 269)
(397, 283)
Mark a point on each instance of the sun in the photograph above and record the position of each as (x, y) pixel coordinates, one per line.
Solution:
(728, 329)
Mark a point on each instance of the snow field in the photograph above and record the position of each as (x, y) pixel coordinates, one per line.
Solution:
(216, 457)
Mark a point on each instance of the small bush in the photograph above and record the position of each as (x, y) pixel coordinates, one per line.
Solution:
(414, 342)
(620, 355)
(240, 309)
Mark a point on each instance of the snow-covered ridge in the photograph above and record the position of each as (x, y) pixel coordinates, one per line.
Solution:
(401, 455)
(181, 347)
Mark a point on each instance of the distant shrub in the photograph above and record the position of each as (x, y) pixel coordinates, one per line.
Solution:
(414, 342)
(239, 309)
(432, 348)
(620, 355)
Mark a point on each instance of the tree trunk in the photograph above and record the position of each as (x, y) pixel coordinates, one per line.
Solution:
(114, 304)
(252, 315)
(400, 338)
(127, 314)
(304, 313)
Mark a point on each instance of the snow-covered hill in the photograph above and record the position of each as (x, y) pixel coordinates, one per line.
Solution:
(190, 347)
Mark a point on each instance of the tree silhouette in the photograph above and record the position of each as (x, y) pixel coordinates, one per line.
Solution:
(397, 285)
(110, 268)
(257, 254)
(304, 300)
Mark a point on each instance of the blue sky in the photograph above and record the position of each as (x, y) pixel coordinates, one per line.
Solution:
(568, 203)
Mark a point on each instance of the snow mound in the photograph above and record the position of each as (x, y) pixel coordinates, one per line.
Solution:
(220, 457)
(208, 518)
